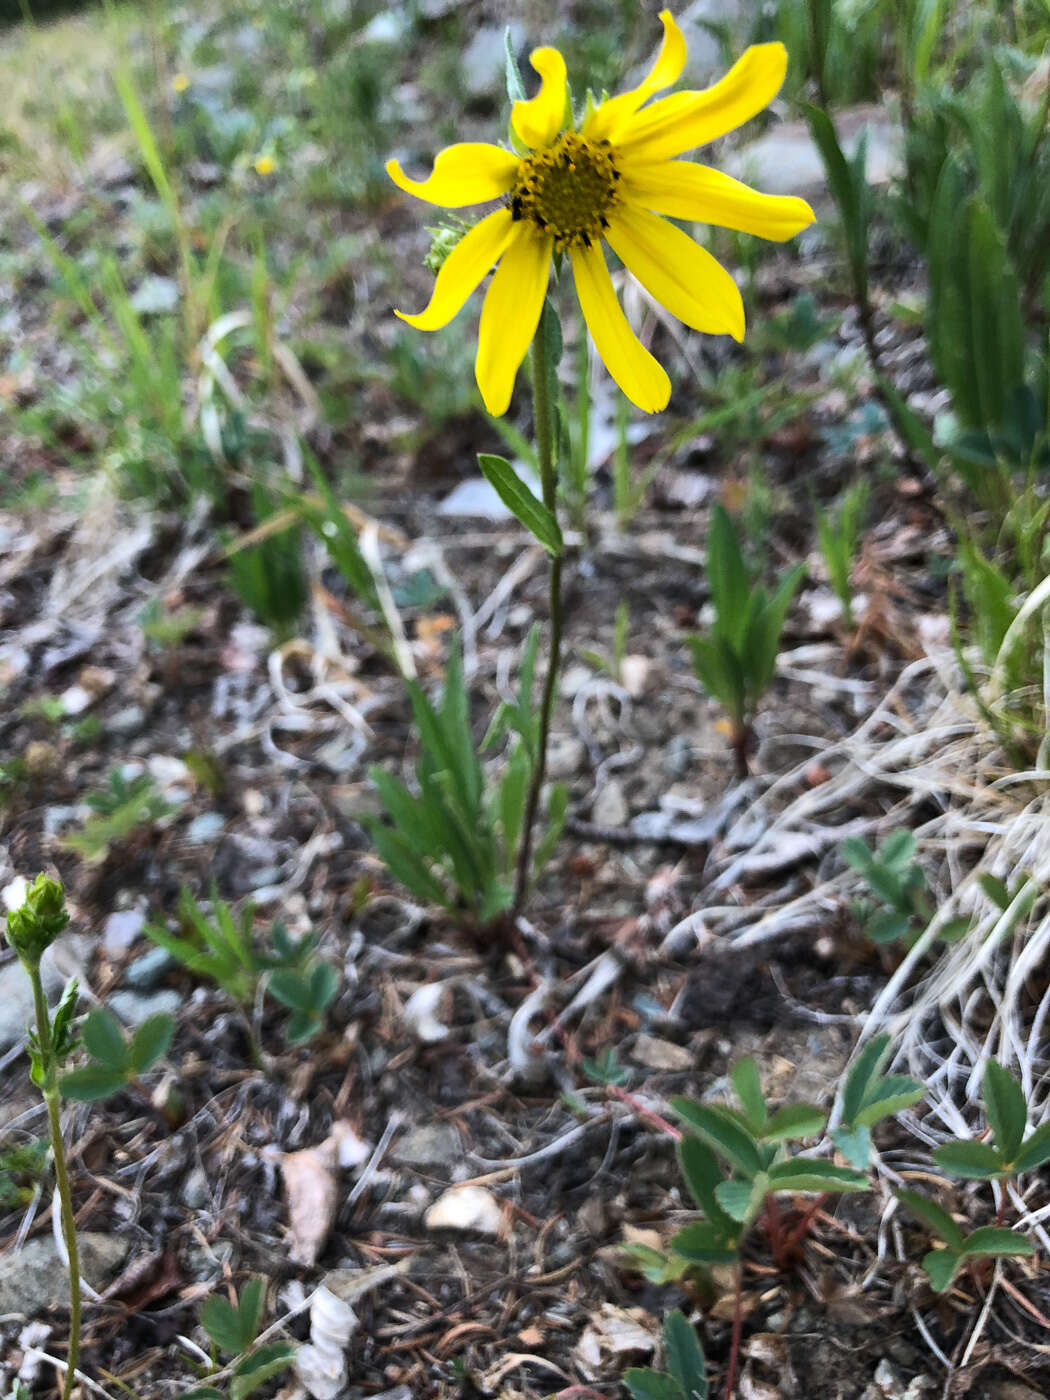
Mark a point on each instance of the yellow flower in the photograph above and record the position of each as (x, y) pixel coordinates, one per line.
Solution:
(608, 179)
(265, 165)
(180, 82)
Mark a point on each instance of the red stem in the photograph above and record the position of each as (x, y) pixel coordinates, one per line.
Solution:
(734, 1346)
(646, 1113)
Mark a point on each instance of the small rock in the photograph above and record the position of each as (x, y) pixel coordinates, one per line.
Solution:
(483, 62)
(431, 1145)
(194, 1191)
(466, 1208)
(566, 755)
(127, 721)
(422, 1012)
(76, 700)
(33, 1278)
(144, 973)
(63, 960)
(155, 296)
(121, 930)
(133, 1007)
(204, 828)
(476, 497)
(634, 675)
(610, 806)
(654, 1053)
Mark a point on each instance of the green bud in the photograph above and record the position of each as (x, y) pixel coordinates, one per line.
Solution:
(38, 922)
(443, 239)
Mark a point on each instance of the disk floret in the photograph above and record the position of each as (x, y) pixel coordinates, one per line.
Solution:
(567, 190)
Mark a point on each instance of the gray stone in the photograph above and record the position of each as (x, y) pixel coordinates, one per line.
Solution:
(476, 498)
(127, 721)
(121, 930)
(565, 756)
(194, 1191)
(33, 1279)
(483, 61)
(610, 806)
(133, 1007)
(785, 160)
(431, 1145)
(144, 973)
(63, 960)
(654, 1053)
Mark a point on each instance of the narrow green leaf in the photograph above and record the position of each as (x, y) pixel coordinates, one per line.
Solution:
(652, 1385)
(748, 1086)
(702, 1175)
(889, 1095)
(685, 1356)
(258, 1367)
(793, 1122)
(151, 1041)
(104, 1039)
(933, 1216)
(521, 502)
(855, 1146)
(222, 1322)
(1035, 1150)
(91, 1082)
(941, 1266)
(996, 1241)
(727, 1137)
(1004, 1103)
(814, 1174)
(741, 1198)
(975, 1161)
(702, 1243)
(867, 1067)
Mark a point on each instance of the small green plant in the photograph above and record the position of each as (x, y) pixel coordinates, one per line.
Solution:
(233, 1329)
(22, 1169)
(686, 1374)
(753, 1145)
(306, 986)
(613, 664)
(31, 929)
(221, 947)
(987, 1242)
(897, 880)
(268, 575)
(1009, 1152)
(736, 659)
(116, 1060)
(122, 808)
(869, 1096)
(456, 841)
(839, 533)
(166, 628)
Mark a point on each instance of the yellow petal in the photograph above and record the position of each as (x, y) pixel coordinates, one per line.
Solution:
(468, 173)
(463, 269)
(511, 314)
(539, 120)
(606, 120)
(640, 377)
(681, 275)
(686, 119)
(686, 191)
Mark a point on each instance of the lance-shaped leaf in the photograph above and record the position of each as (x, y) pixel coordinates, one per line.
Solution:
(727, 1136)
(521, 502)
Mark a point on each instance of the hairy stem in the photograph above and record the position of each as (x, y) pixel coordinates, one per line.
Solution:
(544, 416)
(49, 1089)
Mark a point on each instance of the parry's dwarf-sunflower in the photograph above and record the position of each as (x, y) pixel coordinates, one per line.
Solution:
(609, 178)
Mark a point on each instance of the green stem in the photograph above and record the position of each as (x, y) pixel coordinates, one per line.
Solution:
(543, 412)
(49, 1089)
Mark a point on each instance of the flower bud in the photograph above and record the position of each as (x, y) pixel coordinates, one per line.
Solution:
(36, 924)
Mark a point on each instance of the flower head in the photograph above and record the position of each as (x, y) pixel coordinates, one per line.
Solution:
(38, 919)
(608, 179)
(264, 165)
(180, 82)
